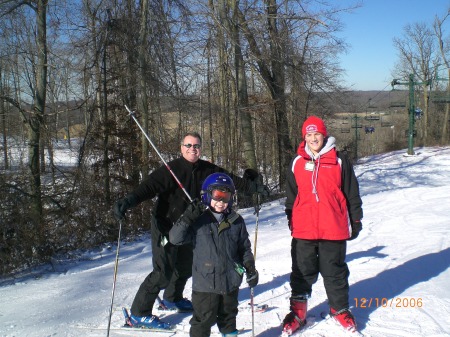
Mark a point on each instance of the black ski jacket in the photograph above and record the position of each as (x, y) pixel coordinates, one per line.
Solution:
(172, 201)
(221, 249)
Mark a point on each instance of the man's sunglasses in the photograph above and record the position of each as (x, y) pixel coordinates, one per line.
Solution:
(219, 195)
(195, 146)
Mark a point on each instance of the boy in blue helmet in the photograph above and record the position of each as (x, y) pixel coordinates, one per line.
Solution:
(222, 250)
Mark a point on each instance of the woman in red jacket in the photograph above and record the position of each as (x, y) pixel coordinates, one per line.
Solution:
(323, 207)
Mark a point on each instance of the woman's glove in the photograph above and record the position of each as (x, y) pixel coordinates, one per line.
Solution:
(289, 218)
(356, 228)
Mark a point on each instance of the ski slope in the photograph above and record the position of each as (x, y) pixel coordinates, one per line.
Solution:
(399, 266)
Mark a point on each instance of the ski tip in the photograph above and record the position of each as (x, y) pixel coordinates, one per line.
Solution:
(286, 332)
(126, 315)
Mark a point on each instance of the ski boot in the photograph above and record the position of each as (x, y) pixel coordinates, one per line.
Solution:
(183, 305)
(345, 318)
(296, 319)
(146, 322)
(231, 334)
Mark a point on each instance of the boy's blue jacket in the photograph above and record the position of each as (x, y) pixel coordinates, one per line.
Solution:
(216, 255)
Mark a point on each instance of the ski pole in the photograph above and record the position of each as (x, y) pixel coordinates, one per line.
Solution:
(159, 154)
(116, 265)
(257, 208)
(252, 292)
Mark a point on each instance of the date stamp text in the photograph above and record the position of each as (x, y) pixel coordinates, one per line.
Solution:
(383, 302)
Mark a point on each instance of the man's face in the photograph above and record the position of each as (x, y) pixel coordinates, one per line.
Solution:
(314, 140)
(191, 148)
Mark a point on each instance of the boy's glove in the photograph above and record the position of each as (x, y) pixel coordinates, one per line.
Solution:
(193, 211)
(356, 228)
(252, 275)
(122, 205)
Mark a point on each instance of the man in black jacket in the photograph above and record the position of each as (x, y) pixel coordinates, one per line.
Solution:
(172, 265)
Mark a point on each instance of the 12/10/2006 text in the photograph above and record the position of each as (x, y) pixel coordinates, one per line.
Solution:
(383, 302)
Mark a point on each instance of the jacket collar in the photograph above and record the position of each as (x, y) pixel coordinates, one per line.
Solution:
(190, 164)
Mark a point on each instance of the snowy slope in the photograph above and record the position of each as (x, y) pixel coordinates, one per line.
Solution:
(399, 264)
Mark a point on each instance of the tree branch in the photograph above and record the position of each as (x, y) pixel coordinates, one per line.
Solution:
(16, 5)
(16, 104)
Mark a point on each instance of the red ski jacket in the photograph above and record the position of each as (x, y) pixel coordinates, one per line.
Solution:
(322, 194)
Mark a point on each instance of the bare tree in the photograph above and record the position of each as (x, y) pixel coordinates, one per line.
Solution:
(272, 71)
(143, 98)
(36, 117)
(248, 143)
(3, 118)
(298, 36)
(444, 50)
(417, 51)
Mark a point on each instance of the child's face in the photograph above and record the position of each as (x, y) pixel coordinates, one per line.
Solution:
(218, 206)
(219, 200)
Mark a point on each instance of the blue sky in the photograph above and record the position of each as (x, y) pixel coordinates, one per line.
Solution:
(370, 30)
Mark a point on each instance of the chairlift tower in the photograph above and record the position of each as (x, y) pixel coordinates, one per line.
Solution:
(411, 110)
(356, 125)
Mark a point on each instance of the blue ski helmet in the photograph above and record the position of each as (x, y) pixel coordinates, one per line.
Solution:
(217, 181)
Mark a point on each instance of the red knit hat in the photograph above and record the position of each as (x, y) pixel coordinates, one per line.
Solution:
(314, 124)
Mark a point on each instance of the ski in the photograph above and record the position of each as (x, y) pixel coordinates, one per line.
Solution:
(130, 329)
(256, 308)
(242, 308)
(145, 331)
(167, 333)
(326, 316)
(311, 322)
(163, 307)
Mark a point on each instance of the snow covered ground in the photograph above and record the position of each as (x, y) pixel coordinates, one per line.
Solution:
(400, 277)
